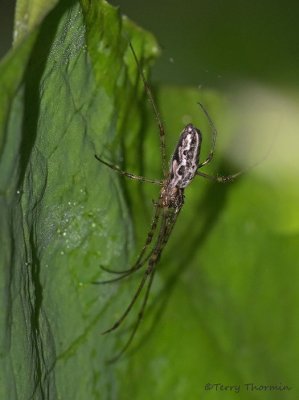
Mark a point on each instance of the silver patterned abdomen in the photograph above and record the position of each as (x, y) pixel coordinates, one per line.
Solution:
(185, 159)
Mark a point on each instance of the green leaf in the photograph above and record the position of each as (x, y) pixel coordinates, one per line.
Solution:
(222, 305)
(28, 15)
(68, 91)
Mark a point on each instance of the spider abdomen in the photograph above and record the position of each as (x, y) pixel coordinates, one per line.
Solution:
(185, 159)
(172, 196)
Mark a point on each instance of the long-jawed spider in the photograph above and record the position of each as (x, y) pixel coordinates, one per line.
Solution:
(184, 167)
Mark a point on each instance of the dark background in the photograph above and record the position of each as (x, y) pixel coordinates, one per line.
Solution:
(211, 42)
(218, 41)
(6, 25)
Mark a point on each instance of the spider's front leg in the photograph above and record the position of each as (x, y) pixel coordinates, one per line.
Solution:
(128, 174)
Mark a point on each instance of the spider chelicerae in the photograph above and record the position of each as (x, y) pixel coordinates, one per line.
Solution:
(184, 167)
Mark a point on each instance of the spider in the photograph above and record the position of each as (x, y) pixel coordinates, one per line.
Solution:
(184, 167)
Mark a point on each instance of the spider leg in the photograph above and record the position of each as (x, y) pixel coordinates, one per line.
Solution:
(119, 278)
(168, 223)
(124, 274)
(156, 112)
(214, 136)
(138, 264)
(221, 178)
(227, 178)
(137, 323)
(127, 174)
(131, 304)
(153, 259)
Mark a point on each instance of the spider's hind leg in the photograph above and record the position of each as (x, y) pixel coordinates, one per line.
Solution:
(139, 262)
(137, 322)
